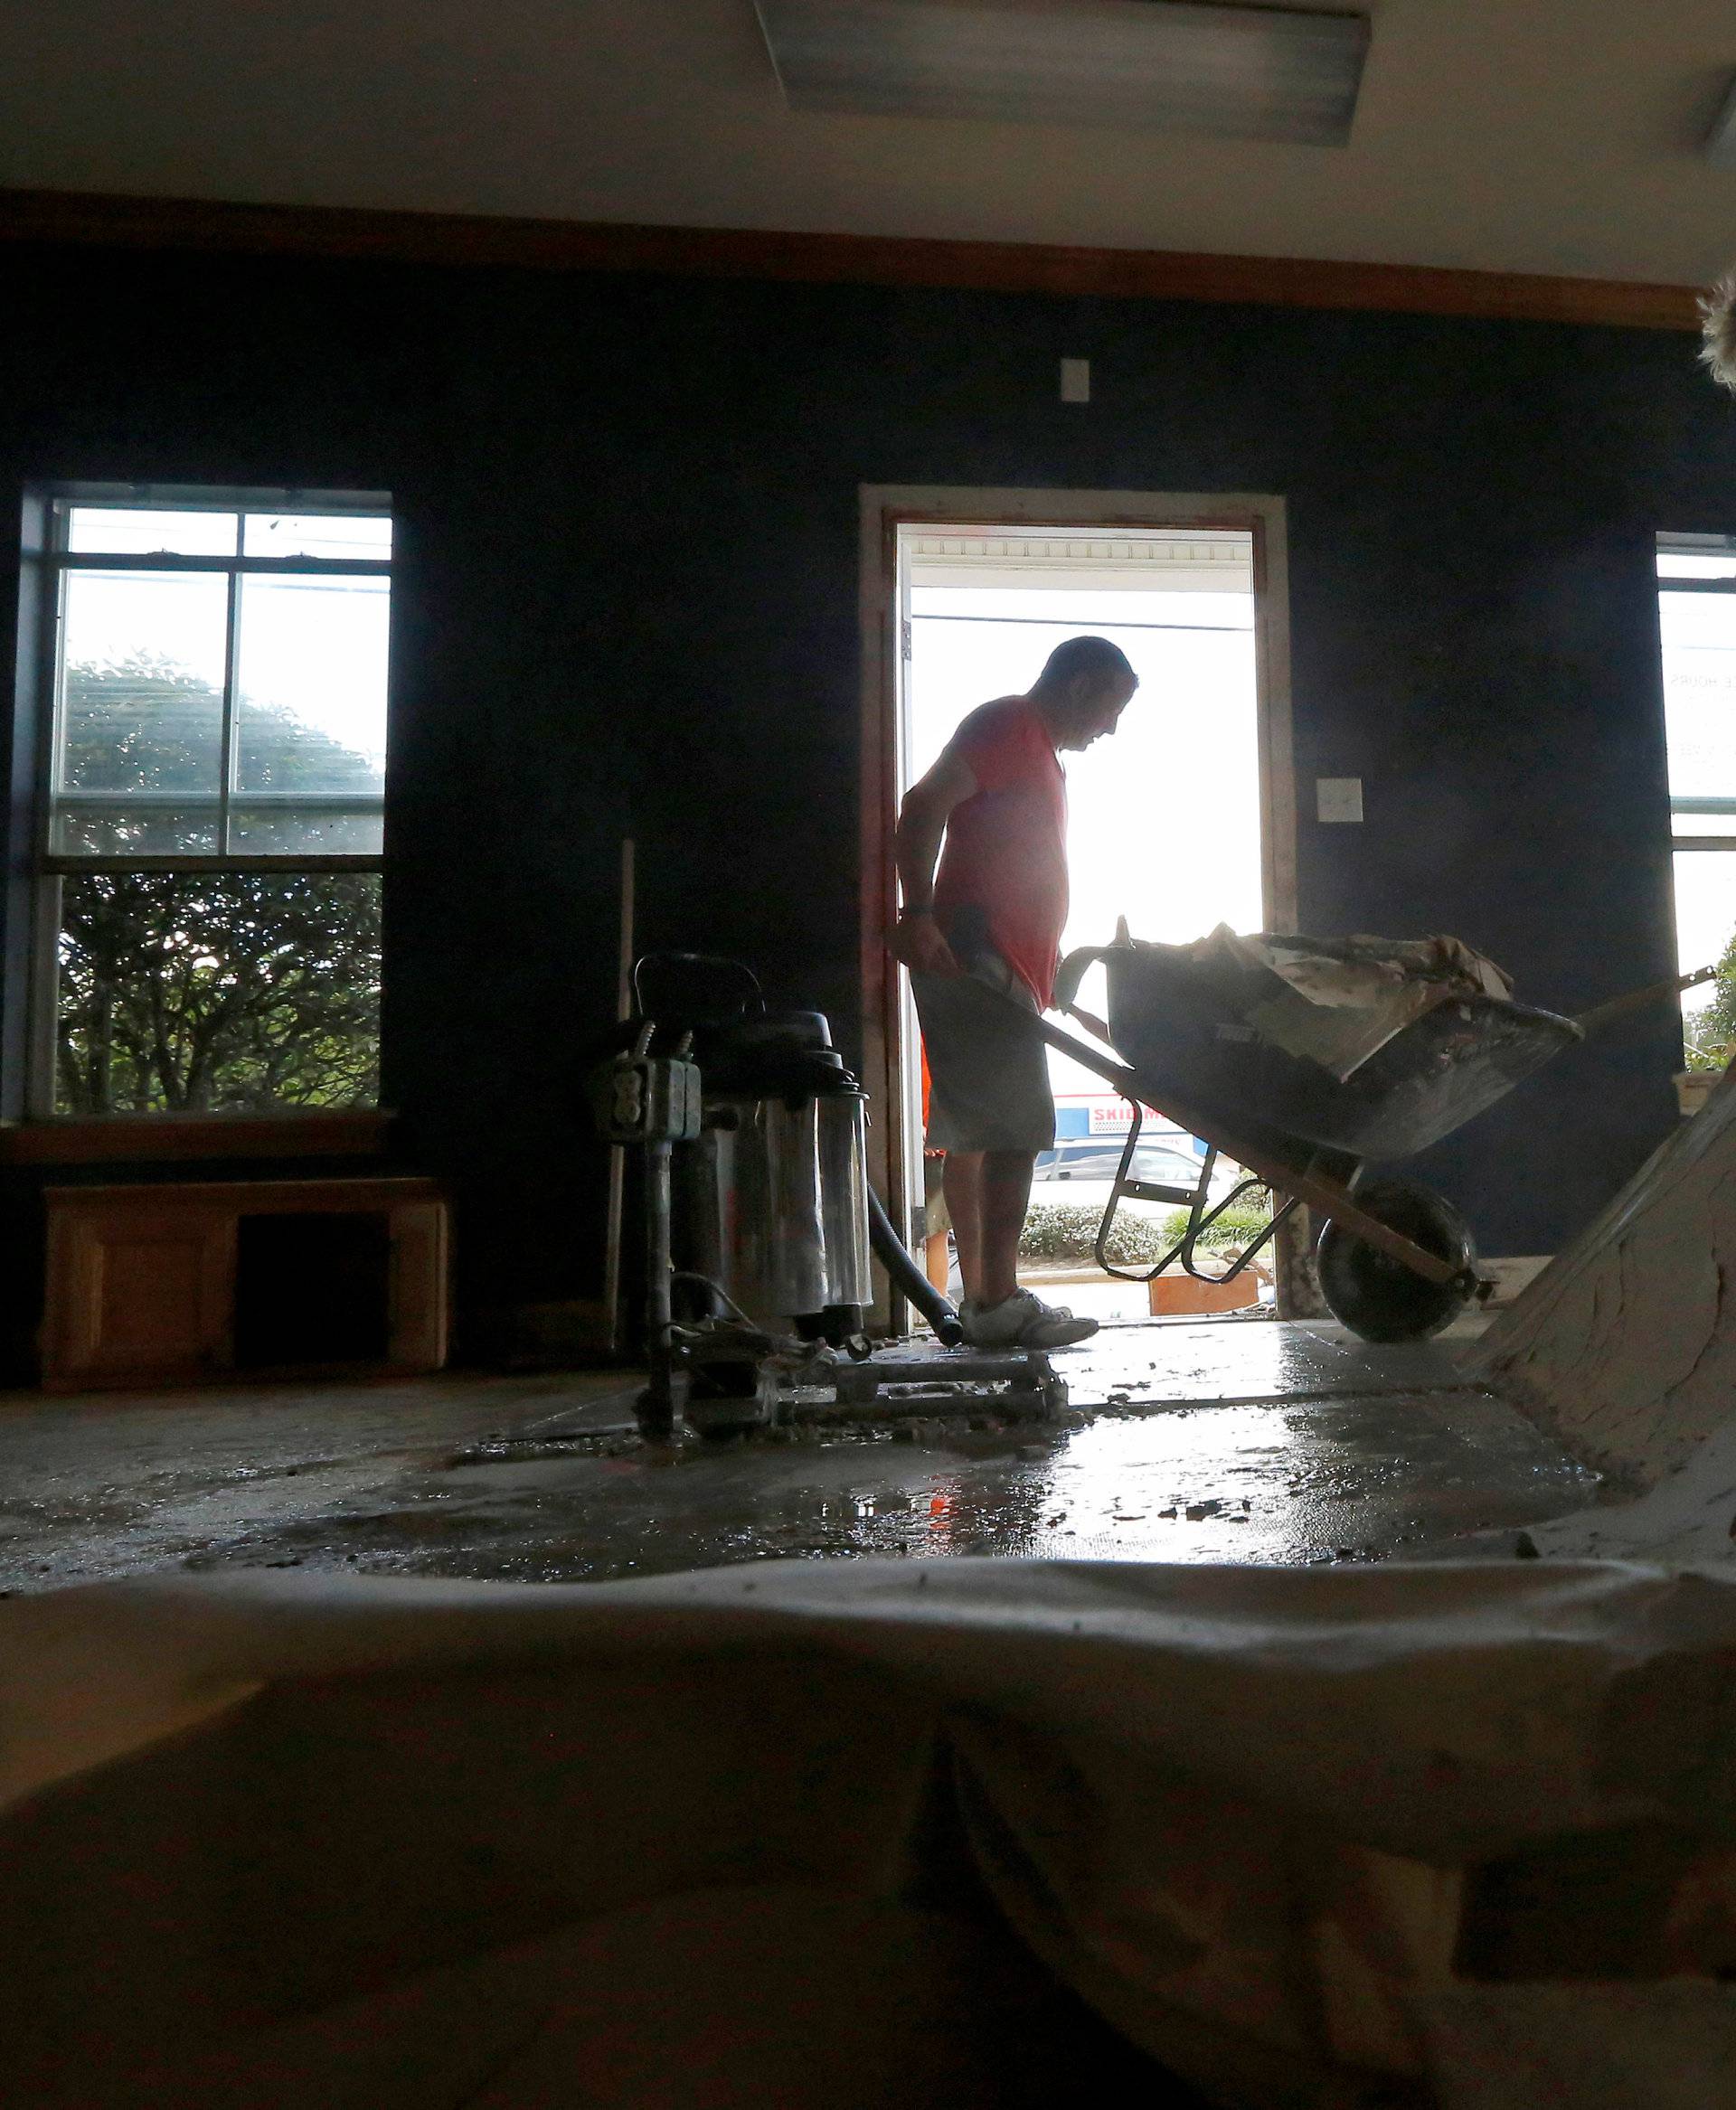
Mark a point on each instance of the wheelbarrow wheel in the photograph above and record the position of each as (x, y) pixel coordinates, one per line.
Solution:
(1380, 1298)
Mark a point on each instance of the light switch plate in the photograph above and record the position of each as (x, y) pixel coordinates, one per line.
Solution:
(1338, 799)
(1075, 380)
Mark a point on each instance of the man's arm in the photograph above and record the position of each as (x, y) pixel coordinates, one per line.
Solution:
(921, 822)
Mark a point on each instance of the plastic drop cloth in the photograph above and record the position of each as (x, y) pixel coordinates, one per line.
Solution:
(270, 1839)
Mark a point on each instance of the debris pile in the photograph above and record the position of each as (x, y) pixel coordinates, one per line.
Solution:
(1338, 1001)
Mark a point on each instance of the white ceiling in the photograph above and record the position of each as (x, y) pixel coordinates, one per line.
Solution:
(1548, 135)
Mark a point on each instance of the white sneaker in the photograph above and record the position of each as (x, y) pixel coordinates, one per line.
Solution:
(1022, 1321)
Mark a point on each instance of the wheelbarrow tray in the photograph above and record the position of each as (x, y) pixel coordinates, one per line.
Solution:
(1176, 1028)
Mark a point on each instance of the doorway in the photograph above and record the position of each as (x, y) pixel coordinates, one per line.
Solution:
(1183, 821)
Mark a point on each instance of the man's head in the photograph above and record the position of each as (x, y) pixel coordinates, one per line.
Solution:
(1082, 690)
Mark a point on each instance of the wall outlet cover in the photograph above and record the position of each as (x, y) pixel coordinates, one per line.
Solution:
(1338, 799)
(1075, 380)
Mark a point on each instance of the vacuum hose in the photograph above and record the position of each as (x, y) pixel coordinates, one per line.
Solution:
(890, 1251)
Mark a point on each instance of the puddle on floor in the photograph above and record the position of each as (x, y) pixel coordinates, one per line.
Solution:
(1344, 1479)
(1226, 1441)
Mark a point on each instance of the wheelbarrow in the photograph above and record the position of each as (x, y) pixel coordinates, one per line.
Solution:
(1396, 1260)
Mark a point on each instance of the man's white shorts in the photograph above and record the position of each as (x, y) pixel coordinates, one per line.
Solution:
(989, 1068)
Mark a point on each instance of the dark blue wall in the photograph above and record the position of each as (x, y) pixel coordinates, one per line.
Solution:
(627, 598)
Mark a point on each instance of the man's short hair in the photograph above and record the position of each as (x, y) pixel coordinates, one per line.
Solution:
(1718, 330)
(1094, 656)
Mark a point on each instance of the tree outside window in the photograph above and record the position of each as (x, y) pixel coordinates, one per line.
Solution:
(213, 807)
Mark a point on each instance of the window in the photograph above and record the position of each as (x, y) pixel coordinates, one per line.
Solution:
(211, 687)
(1696, 601)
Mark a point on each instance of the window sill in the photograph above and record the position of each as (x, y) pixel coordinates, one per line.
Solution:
(173, 1138)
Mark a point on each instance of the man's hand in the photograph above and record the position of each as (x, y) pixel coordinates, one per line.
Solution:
(920, 945)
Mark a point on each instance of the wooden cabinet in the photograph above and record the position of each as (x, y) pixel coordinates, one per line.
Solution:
(207, 1282)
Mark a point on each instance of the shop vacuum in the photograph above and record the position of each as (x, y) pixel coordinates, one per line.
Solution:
(760, 1227)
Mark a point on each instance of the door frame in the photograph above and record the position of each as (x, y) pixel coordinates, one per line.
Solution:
(887, 507)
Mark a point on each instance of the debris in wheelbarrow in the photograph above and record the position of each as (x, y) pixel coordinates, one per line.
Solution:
(1338, 1001)
(1190, 1024)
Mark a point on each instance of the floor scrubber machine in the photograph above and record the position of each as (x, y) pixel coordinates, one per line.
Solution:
(760, 1228)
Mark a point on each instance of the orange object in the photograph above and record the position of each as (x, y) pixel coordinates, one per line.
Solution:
(1174, 1294)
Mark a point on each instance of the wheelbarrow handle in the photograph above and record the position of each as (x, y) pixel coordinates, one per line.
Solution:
(1606, 1014)
(1070, 972)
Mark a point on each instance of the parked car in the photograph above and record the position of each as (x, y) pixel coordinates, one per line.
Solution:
(1097, 1159)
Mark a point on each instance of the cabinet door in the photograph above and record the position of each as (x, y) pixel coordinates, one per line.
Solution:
(420, 1269)
(138, 1292)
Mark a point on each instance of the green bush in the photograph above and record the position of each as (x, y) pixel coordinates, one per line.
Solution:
(1708, 1033)
(1240, 1225)
(1067, 1230)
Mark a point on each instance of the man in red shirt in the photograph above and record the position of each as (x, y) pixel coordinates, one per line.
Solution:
(991, 920)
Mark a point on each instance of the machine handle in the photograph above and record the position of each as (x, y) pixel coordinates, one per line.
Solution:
(754, 995)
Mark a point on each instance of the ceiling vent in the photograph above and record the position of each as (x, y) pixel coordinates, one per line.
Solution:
(1234, 71)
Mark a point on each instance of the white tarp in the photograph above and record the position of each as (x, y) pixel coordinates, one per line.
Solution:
(361, 1842)
(1624, 1349)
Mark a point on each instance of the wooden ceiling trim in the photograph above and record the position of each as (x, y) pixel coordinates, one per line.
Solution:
(462, 239)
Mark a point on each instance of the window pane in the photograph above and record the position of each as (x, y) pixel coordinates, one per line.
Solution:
(292, 831)
(1703, 824)
(318, 534)
(1705, 924)
(137, 530)
(227, 993)
(1705, 911)
(313, 685)
(142, 682)
(1676, 564)
(121, 830)
(1700, 693)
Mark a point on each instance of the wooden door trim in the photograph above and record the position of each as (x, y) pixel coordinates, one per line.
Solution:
(887, 507)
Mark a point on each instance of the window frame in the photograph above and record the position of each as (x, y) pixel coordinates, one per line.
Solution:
(1697, 546)
(48, 563)
(1683, 809)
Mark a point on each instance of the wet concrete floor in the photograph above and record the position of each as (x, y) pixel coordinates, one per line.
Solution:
(1228, 1440)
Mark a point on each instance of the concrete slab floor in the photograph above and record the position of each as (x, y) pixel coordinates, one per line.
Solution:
(1225, 1440)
